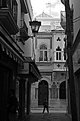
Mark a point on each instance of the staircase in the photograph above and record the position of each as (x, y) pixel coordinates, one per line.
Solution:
(56, 106)
(51, 110)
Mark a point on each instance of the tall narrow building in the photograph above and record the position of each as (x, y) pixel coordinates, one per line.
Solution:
(50, 59)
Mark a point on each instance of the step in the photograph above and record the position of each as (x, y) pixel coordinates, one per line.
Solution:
(51, 110)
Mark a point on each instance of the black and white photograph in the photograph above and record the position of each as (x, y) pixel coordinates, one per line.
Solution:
(39, 60)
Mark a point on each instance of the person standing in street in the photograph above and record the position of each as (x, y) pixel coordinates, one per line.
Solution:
(45, 105)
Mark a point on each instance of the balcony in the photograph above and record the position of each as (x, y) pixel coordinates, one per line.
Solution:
(23, 32)
(8, 21)
(63, 19)
(8, 15)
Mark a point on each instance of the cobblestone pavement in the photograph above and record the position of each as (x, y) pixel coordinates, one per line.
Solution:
(48, 117)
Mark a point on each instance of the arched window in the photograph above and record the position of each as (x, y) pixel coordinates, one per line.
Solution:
(43, 46)
(58, 53)
(43, 53)
(43, 92)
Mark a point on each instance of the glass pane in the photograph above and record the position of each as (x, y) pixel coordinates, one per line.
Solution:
(56, 55)
(45, 55)
(41, 56)
(59, 55)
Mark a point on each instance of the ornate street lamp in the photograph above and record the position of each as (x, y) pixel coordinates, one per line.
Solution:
(35, 25)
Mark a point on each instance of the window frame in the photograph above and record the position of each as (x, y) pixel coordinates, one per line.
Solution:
(43, 49)
(58, 53)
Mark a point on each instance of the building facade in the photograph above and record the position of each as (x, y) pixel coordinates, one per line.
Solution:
(75, 6)
(17, 70)
(50, 59)
(76, 51)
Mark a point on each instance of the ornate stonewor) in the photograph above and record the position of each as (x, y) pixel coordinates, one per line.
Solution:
(50, 60)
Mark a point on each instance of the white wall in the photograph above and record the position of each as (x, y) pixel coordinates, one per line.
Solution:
(28, 48)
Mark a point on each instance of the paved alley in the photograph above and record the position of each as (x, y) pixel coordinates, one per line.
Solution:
(48, 117)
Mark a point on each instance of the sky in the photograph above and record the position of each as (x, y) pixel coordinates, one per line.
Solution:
(50, 7)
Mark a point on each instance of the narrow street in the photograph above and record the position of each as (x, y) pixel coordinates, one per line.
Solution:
(39, 60)
(48, 117)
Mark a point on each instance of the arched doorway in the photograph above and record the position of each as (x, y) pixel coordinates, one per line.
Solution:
(62, 90)
(42, 91)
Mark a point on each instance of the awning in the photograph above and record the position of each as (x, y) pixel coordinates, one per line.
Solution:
(11, 49)
(29, 69)
(33, 67)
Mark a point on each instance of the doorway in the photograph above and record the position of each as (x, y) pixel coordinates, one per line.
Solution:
(42, 92)
(4, 88)
(63, 90)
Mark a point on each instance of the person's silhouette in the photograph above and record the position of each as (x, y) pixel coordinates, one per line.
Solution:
(45, 104)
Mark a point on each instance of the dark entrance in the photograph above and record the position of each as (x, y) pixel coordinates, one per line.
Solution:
(62, 90)
(4, 88)
(42, 92)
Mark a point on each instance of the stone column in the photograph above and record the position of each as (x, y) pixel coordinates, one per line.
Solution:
(28, 95)
(58, 92)
(48, 55)
(57, 84)
(22, 98)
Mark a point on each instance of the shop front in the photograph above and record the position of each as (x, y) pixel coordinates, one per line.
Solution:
(28, 74)
(10, 59)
